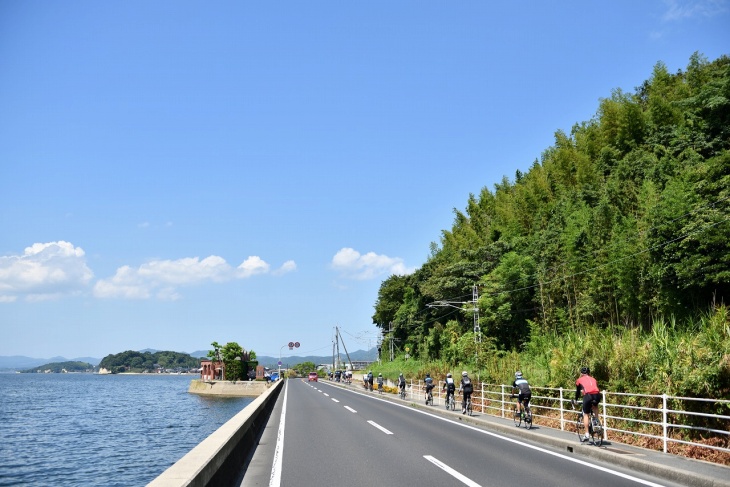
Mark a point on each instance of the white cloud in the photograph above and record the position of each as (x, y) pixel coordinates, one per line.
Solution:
(56, 269)
(350, 263)
(678, 10)
(44, 271)
(286, 267)
(162, 278)
(252, 266)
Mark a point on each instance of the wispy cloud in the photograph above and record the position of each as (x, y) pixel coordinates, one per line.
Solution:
(353, 265)
(44, 271)
(57, 269)
(286, 267)
(680, 10)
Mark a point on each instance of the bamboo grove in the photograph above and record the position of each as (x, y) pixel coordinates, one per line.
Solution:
(611, 250)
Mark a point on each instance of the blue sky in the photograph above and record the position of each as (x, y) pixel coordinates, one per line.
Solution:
(175, 172)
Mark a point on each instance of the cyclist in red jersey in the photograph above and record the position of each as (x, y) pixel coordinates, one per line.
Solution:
(591, 396)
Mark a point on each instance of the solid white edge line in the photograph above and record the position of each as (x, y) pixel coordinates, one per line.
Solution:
(275, 478)
(462, 478)
(517, 442)
(387, 432)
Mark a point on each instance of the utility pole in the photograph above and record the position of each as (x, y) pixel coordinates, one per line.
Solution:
(343, 346)
(475, 311)
(477, 328)
(392, 339)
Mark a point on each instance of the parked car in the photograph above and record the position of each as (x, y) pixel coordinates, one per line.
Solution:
(313, 377)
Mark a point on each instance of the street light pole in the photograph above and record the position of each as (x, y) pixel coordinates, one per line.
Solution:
(282, 347)
(291, 346)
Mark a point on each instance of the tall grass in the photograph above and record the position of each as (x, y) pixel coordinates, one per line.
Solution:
(680, 359)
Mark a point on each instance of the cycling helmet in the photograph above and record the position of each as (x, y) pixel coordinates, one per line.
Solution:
(380, 375)
(585, 370)
(518, 374)
(464, 374)
(448, 375)
(428, 375)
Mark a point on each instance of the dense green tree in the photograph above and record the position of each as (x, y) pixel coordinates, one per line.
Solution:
(623, 220)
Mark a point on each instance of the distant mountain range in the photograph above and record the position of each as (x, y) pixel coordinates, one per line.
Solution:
(18, 362)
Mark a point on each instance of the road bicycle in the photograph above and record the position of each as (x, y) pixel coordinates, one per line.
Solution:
(429, 398)
(402, 393)
(524, 416)
(595, 428)
(450, 402)
(380, 388)
(467, 410)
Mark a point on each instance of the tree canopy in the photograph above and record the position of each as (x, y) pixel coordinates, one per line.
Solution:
(623, 221)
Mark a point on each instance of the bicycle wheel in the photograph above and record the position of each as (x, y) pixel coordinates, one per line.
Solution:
(579, 426)
(516, 416)
(596, 431)
(468, 408)
(528, 418)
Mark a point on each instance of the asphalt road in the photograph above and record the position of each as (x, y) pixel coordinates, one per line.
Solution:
(321, 434)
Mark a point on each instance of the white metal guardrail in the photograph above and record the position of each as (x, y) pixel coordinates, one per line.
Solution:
(661, 417)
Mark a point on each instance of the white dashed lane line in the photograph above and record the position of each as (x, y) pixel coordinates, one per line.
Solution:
(387, 432)
(462, 478)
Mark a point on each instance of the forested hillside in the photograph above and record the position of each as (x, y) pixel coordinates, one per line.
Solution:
(612, 250)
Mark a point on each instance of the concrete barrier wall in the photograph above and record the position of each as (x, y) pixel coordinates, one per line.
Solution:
(219, 458)
(253, 388)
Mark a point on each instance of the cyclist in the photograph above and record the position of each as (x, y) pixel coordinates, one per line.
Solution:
(467, 387)
(380, 383)
(402, 383)
(591, 397)
(449, 387)
(525, 393)
(370, 380)
(429, 385)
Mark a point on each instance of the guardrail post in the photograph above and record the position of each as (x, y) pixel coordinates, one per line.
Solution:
(562, 412)
(605, 421)
(664, 421)
(503, 403)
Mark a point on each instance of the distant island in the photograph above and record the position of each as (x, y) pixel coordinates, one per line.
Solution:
(23, 364)
(60, 368)
(149, 362)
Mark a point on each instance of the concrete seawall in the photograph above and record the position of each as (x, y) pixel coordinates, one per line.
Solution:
(219, 458)
(252, 388)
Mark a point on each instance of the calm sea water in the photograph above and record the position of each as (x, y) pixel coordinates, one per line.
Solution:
(106, 430)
